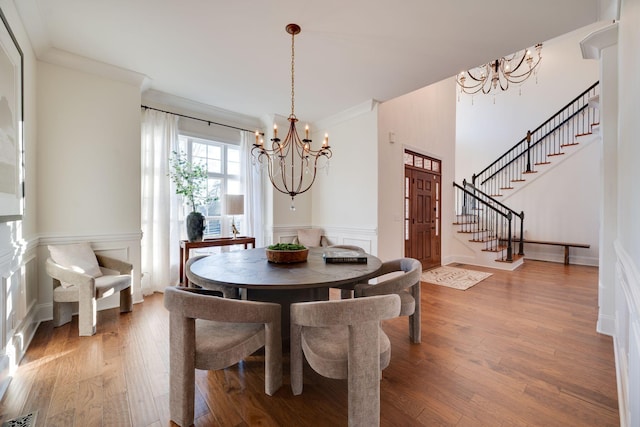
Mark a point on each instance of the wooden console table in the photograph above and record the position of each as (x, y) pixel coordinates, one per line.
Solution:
(186, 246)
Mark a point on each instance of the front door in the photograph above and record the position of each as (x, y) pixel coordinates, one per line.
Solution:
(422, 209)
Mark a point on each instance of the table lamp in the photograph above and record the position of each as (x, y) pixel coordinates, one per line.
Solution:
(234, 205)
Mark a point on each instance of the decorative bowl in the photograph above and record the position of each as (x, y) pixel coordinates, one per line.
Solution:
(286, 256)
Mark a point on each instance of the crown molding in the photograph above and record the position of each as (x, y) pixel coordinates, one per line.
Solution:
(600, 39)
(76, 62)
(348, 114)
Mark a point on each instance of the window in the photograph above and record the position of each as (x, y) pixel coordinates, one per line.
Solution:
(223, 166)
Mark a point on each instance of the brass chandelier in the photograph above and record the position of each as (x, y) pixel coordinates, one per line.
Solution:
(514, 69)
(291, 164)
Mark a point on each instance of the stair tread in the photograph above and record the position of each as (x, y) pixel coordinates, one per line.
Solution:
(530, 172)
(506, 188)
(518, 180)
(495, 249)
(515, 257)
(542, 163)
(555, 154)
(570, 145)
(488, 239)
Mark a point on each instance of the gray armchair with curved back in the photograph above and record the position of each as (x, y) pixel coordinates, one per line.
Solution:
(405, 283)
(342, 339)
(210, 333)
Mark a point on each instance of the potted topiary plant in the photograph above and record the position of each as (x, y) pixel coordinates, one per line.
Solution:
(191, 183)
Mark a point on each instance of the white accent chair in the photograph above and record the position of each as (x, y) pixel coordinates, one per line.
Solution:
(74, 282)
(311, 238)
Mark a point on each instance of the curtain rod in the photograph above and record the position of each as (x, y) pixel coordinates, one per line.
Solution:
(209, 122)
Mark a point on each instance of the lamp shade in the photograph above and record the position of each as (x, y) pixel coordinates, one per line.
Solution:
(234, 204)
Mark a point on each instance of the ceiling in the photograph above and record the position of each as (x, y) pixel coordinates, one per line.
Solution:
(235, 54)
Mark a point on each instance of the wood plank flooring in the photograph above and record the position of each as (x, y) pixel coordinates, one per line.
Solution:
(518, 349)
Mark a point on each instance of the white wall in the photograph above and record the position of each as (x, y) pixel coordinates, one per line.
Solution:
(562, 204)
(423, 121)
(627, 246)
(344, 201)
(88, 167)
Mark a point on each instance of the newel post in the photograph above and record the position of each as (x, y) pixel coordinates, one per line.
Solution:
(521, 245)
(509, 239)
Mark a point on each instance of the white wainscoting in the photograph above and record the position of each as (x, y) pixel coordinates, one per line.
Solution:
(27, 292)
(627, 337)
(18, 299)
(367, 239)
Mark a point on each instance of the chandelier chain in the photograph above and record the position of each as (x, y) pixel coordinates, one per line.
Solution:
(293, 54)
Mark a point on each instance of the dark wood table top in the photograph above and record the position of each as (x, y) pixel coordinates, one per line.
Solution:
(250, 269)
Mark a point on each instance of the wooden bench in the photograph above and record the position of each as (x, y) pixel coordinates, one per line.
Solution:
(565, 244)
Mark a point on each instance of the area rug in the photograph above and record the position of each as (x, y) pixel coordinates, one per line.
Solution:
(453, 277)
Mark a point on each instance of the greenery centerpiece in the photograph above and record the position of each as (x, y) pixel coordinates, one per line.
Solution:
(286, 253)
(190, 180)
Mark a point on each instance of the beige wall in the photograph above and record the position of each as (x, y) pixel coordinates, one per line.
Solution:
(89, 153)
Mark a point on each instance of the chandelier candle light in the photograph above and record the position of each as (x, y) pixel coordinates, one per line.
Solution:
(501, 72)
(292, 164)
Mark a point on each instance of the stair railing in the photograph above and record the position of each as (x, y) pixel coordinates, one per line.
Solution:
(487, 220)
(574, 119)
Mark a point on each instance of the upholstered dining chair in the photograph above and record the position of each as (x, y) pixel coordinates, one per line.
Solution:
(342, 339)
(211, 333)
(83, 277)
(346, 291)
(225, 291)
(406, 284)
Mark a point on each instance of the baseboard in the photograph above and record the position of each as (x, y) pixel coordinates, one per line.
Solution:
(606, 325)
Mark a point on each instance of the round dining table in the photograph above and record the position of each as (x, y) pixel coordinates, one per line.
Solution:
(261, 280)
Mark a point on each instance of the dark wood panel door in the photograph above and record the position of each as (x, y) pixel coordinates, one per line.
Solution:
(422, 241)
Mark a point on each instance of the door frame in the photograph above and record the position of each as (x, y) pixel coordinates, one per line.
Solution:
(414, 160)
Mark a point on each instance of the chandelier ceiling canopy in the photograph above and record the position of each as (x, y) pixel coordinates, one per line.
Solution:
(514, 69)
(291, 163)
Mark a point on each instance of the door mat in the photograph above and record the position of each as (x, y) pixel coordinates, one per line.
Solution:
(453, 277)
(28, 420)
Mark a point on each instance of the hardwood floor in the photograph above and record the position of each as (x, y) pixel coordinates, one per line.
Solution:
(518, 349)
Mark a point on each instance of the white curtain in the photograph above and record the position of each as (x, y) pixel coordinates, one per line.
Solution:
(253, 199)
(160, 220)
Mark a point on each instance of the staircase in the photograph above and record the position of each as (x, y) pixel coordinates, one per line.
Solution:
(485, 223)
